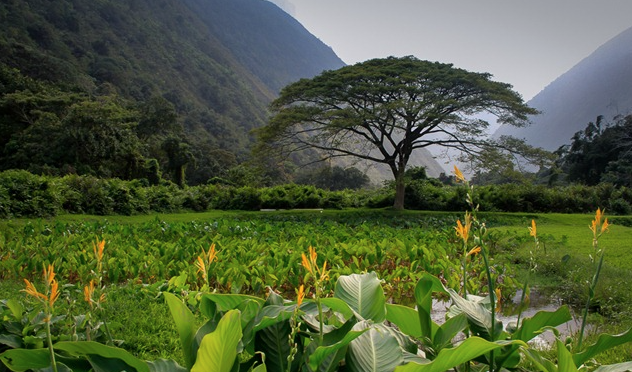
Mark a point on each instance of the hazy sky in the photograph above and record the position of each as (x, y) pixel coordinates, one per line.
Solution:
(527, 43)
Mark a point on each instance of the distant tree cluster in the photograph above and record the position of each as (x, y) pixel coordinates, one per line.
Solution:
(600, 153)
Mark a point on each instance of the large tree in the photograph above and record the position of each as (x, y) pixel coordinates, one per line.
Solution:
(382, 110)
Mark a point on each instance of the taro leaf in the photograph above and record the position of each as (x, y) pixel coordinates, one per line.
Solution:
(364, 294)
(604, 342)
(185, 324)
(448, 359)
(530, 326)
(25, 359)
(620, 367)
(478, 315)
(218, 350)
(330, 361)
(165, 365)
(15, 307)
(249, 311)
(405, 318)
(376, 350)
(103, 357)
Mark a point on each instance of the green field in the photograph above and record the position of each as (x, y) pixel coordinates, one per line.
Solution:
(259, 250)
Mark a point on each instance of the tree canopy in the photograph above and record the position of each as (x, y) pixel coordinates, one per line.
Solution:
(382, 110)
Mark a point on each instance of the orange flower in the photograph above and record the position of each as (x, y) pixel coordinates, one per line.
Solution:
(88, 291)
(31, 290)
(533, 229)
(201, 265)
(49, 275)
(54, 293)
(301, 295)
(596, 226)
(498, 297)
(475, 250)
(211, 254)
(306, 264)
(459, 176)
(98, 249)
(463, 231)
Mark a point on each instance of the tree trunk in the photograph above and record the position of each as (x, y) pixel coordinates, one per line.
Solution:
(400, 189)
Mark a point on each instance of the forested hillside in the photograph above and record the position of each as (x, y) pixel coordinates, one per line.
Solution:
(143, 88)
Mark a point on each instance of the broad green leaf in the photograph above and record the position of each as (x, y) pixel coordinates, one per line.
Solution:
(447, 359)
(25, 359)
(376, 350)
(564, 358)
(426, 286)
(539, 361)
(478, 315)
(273, 342)
(15, 307)
(185, 324)
(102, 356)
(218, 350)
(405, 318)
(364, 294)
(620, 367)
(272, 314)
(604, 342)
(448, 330)
(227, 302)
(165, 365)
(322, 352)
(338, 305)
(530, 326)
(13, 341)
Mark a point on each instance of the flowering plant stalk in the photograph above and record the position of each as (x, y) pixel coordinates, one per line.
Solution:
(94, 293)
(203, 263)
(47, 299)
(295, 324)
(598, 228)
(479, 231)
(533, 232)
(320, 275)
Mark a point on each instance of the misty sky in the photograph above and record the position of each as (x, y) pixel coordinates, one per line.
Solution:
(525, 43)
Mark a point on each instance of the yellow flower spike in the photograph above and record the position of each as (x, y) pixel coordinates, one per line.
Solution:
(98, 249)
(605, 226)
(211, 253)
(88, 291)
(201, 266)
(49, 275)
(312, 255)
(533, 229)
(459, 176)
(102, 298)
(300, 296)
(463, 231)
(475, 250)
(593, 228)
(306, 264)
(31, 290)
(498, 297)
(54, 293)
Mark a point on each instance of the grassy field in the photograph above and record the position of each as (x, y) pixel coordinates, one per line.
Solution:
(139, 317)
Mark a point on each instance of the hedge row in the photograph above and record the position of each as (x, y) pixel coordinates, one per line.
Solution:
(23, 194)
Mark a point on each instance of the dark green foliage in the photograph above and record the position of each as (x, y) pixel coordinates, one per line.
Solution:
(334, 178)
(199, 72)
(600, 153)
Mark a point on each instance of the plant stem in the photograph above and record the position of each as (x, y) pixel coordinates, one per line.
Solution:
(490, 285)
(49, 339)
(591, 295)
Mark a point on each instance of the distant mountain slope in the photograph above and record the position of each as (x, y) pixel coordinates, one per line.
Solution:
(601, 84)
(219, 62)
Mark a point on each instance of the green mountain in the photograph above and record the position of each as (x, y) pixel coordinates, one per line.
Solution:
(188, 78)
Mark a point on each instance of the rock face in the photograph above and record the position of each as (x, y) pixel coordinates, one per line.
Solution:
(601, 84)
